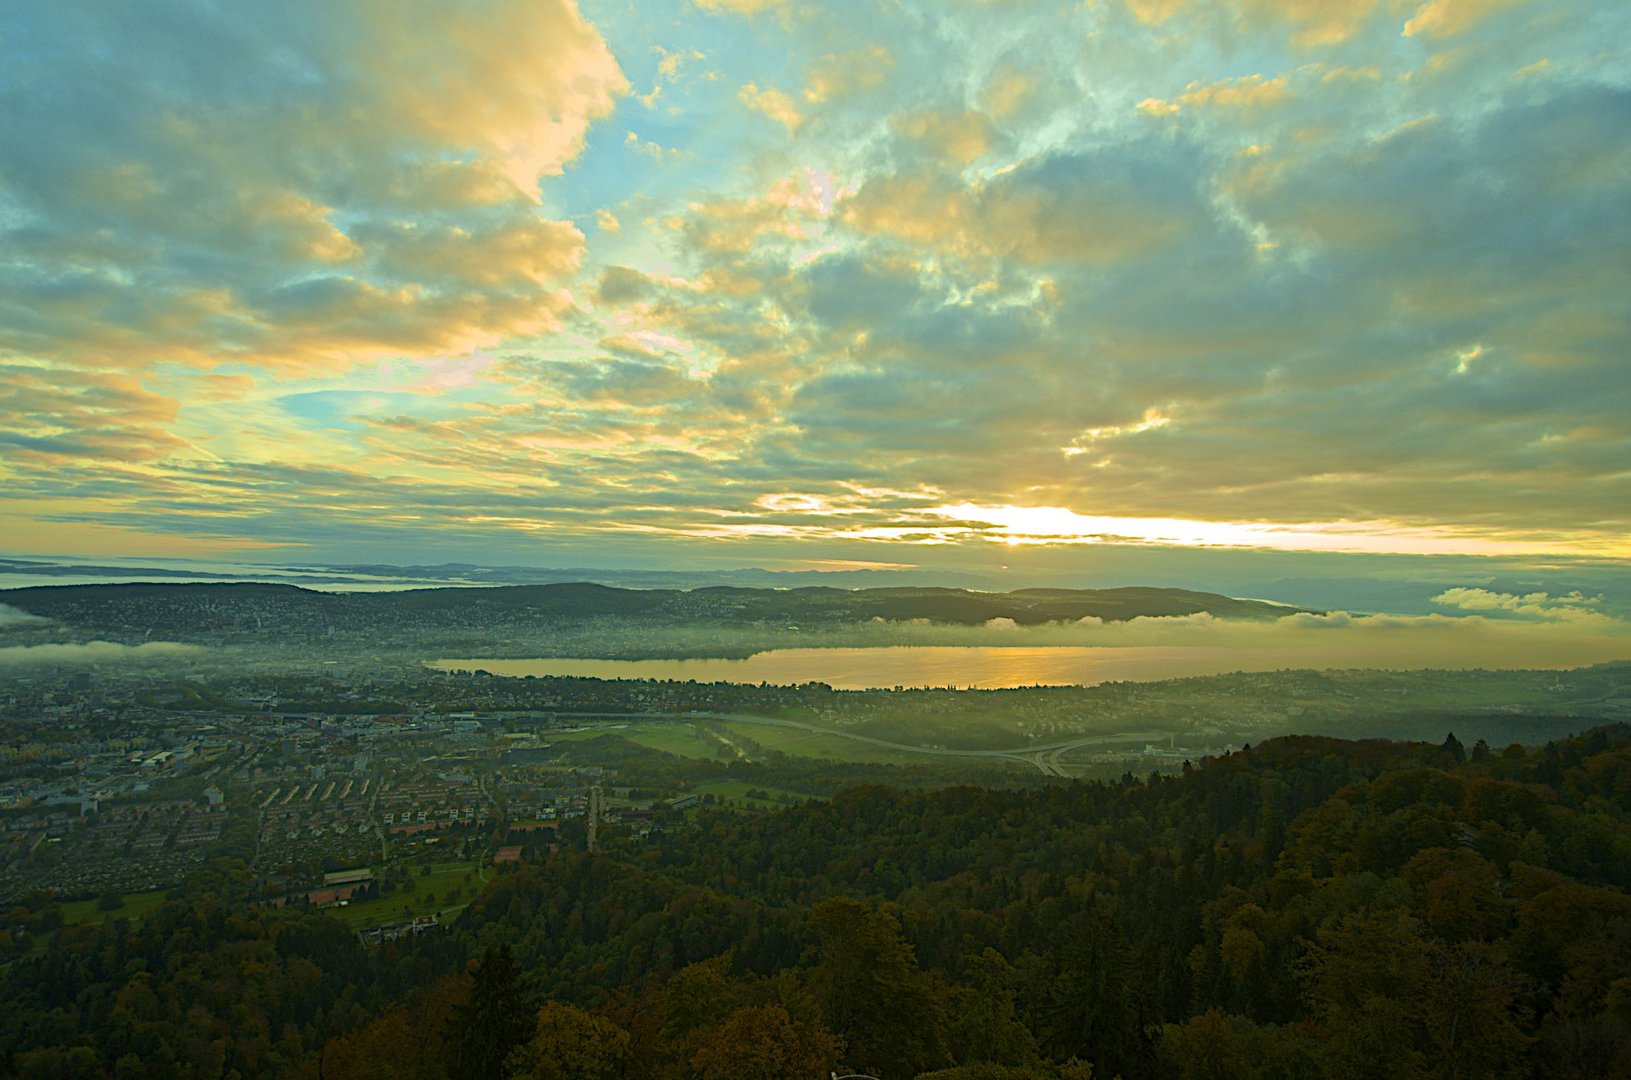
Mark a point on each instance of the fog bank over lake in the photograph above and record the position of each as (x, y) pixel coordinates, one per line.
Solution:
(988, 668)
(1138, 650)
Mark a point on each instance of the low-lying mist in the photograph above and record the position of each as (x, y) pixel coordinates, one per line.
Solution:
(95, 653)
(1303, 640)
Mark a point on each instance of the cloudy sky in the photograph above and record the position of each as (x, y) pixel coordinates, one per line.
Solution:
(761, 282)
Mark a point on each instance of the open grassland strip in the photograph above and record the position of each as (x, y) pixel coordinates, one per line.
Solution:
(442, 883)
(671, 737)
(135, 906)
(736, 792)
(1032, 755)
(826, 746)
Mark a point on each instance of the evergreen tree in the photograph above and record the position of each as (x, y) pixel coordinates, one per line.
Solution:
(492, 1021)
(872, 992)
(1090, 1000)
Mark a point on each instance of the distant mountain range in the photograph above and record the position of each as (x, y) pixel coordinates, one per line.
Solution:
(351, 576)
(1405, 586)
(229, 606)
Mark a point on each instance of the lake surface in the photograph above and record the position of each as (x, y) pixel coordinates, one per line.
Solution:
(1141, 650)
(984, 667)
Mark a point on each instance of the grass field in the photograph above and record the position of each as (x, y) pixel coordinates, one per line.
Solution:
(735, 792)
(825, 747)
(134, 907)
(683, 740)
(691, 740)
(446, 884)
(695, 741)
(445, 880)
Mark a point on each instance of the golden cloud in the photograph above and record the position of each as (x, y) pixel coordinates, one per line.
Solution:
(1006, 92)
(742, 7)
(773, 104)
(395, 215)
(1310, 22)
(960, 137)
(843, 73)
(526, 251)
(1155, 12)
(923, 208)
(1097, 222)
(1447, 18)
(792, 208)
(56, 415)
(518, 80)
(1248, 93)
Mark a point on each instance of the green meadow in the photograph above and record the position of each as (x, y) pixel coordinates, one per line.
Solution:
(135, 906)
(681, 739)
(447, 885)
(735, 793)
(811, 744)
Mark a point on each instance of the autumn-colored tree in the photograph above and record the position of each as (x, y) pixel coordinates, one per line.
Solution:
(387, 1049)
(1459, 896)
(764, 1043)
(406, 1042)
(1469, 919)
(1365, 975)
(984, 1024)
(1468, 1015)
(1396, 1004)
(697, 996)
(987, 1070)
(569, 1043)
(54, 1063)
(1205, 1047)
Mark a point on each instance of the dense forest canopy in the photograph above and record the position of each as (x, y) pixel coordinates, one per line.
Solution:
(1304, 908)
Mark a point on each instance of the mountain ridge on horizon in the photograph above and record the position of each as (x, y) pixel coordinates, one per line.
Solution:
(1408, 587)
(725, 603)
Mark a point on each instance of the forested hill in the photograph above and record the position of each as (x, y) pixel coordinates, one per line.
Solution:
(542, 619)
(1307, 908)
(72, 603)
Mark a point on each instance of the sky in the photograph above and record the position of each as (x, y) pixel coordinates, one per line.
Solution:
(1151, 284)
